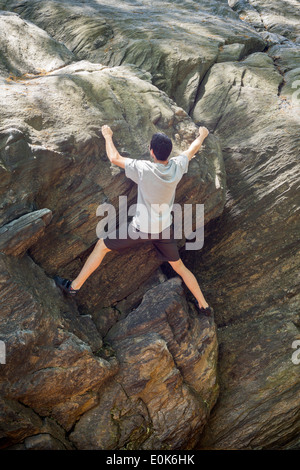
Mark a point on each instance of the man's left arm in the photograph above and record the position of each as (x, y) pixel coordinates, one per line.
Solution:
(111, 150)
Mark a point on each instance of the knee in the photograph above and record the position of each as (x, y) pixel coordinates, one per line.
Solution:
(101, 245)
(178, 266)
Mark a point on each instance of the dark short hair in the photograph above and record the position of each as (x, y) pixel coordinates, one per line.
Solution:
(161, 145)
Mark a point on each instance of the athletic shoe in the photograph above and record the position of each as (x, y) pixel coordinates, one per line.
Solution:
(203, 311)
(65, 285)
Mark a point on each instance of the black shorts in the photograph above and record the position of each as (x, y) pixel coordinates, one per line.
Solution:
(163, 242)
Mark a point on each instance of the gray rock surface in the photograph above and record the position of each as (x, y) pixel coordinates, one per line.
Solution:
(177, 52)
(277, 17)
(17, 236)
(249, 265)
(66, 68)
(28, 49)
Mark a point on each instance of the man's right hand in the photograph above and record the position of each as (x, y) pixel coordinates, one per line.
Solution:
(203, 132)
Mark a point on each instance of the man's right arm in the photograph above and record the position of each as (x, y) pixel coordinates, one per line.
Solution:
(111, 150)
(196, 145)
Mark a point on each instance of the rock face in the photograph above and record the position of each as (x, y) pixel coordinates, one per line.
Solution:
(57, 367)
(138, 369)
(177, 53)
(164, 350)
(250, 261)
(54, 175)
(45, 54)
(51, 369)
(18, 235)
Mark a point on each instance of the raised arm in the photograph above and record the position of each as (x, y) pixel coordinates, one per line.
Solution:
(111, 150)
(196, 145)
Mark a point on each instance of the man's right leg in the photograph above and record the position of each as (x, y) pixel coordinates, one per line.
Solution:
(94, 260)
(100, 250)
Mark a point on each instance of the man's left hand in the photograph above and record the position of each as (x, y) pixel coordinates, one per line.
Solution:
(106, 131)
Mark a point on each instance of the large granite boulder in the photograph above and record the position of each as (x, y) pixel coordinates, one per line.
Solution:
(152, 383)
(28, 49)
(271, 17)
(166, 385)
(17, 236)
(249, 265)
(53, 365)
(177, 51)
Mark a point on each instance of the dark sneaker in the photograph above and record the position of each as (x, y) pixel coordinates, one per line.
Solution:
(206, 311)
(203, 311)
(65, 285)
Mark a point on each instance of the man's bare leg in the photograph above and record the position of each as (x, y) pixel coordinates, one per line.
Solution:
(190, 281)
(91, 264)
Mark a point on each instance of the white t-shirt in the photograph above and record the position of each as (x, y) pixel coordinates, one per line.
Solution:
(156, 191)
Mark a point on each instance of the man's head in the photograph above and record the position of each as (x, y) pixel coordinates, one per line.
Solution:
(161, 145)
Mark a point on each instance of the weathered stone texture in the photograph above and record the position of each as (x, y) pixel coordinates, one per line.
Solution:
(138, 369)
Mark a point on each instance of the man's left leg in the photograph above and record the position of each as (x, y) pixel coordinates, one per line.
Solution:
(190, 281)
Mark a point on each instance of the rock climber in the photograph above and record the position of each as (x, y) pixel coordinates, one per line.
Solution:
(157, 180)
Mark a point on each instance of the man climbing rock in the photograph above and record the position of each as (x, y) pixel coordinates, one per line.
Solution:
(157, 181)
